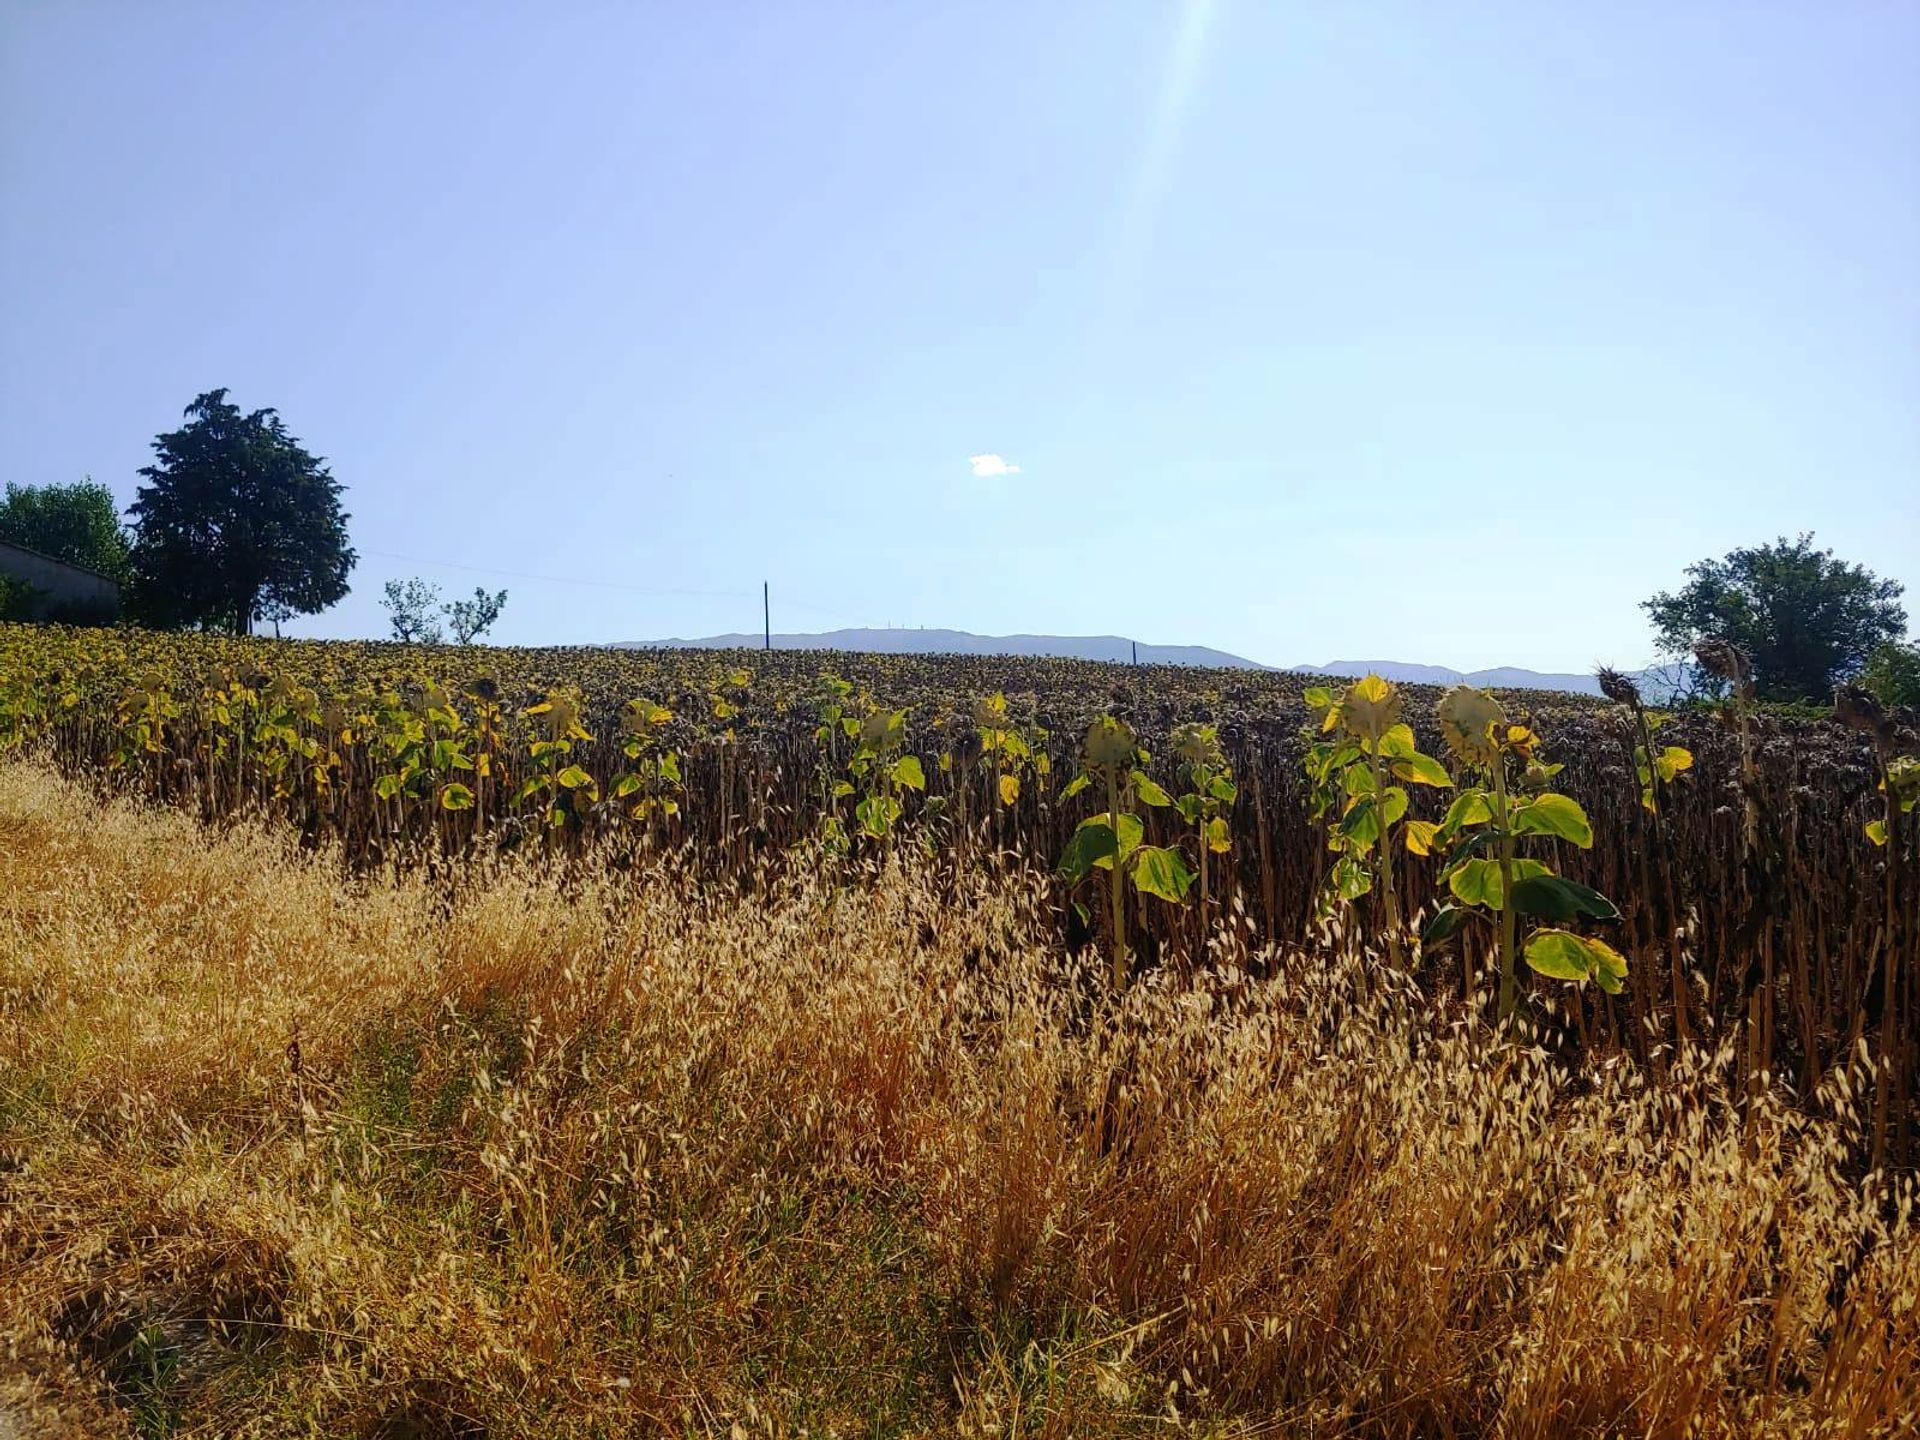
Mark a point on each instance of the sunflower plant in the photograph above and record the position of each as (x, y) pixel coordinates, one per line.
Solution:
(1359, 773)
(881, 771)
(1015, 750)
(1483, 832)
(284, 734)
(992, 737)
(1900, 786)
(1655, 768)
(486, 735)
(421, 740)
(834, 708)
(560, 787)
(146, 708)
(1113, 839)
(651, 784)
(1207, 803)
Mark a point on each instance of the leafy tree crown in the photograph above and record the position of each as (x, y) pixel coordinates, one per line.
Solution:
(78, 523)
(1805, 618)
(237, 520)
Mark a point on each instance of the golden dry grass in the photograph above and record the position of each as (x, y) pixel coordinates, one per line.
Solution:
(619, 1156)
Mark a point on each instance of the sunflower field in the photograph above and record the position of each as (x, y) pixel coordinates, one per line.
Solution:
(1739, 877)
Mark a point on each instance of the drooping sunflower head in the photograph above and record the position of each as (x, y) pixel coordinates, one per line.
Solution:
(1724, 660)
(1617, 687)
(1198, 744)
(561, 716)
(1370, 708)
(884, 731)
(990, 712)
(1861, 710)
(966, 745)
(1110, 744)
(640, 715)
(1469, 721)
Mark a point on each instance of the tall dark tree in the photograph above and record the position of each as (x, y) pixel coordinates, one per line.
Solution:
(1806, 618)
(237, 521)
(79, 524)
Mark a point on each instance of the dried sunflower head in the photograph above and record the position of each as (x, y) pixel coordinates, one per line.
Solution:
(561, 716)
(1617, 687)
(967, 746)
(640, 715)
(1860, 710)
(1468, 719)
(1724, 660)
(1198, 744)
(1110, 744)
(883, 731)
(1370, 708)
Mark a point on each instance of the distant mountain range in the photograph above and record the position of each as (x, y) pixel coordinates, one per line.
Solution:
(1660, 684)
(1115, 649)
(1501, 677)
(1118, 649)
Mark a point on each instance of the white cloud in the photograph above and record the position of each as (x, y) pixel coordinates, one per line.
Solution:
(986, 467)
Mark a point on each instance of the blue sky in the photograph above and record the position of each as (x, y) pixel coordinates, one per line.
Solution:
(1440, 332)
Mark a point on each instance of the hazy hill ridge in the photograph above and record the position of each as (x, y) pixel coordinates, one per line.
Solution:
(1116, 649)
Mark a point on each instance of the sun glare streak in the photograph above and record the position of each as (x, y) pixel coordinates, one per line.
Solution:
(1134, 240)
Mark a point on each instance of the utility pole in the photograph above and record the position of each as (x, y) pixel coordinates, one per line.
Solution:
(766, 612)
(1136, 652)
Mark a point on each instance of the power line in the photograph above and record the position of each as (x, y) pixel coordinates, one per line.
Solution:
(840, 615)
(562, 579)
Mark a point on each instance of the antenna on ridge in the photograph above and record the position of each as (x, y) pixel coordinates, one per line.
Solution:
(766, 612)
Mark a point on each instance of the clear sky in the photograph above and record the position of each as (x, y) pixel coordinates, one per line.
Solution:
(1433, 331)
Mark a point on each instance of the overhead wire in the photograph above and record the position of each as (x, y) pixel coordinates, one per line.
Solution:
(600, 584)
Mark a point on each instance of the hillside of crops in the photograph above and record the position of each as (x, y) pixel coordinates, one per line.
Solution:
(1745, 890)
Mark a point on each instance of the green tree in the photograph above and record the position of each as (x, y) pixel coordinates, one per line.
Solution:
(237, 521)
(470, 619)
(410, 605)
(79, 524)
(1805, 618)
(1892, 674)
